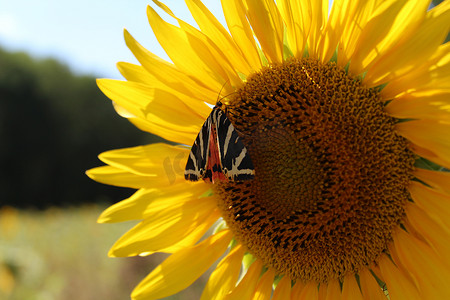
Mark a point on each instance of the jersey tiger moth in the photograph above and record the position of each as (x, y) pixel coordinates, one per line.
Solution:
(218, 152)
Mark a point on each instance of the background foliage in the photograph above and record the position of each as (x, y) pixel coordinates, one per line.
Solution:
(61, 254)
(53, 124)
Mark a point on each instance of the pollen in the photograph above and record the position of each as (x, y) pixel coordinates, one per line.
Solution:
(331, 173)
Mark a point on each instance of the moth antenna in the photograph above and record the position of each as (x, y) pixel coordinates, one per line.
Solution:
(218, 100)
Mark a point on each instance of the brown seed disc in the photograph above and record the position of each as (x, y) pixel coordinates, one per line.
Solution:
(331, 173)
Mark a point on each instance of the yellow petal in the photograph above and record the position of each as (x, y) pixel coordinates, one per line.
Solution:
(297, 290)
(173, 241)
(333, 30)
(438, 180)
(268, 27)
(432, 75)
(339, 29)
(137, 207)
(430, 230)
(182, 268)
(140, 75)
(187, 52)
(146, 160)
(203, 45)
(263, 289)
(333, 290)
(147, 125)
(122, 111)
(393, 23)
(297, 17)
(146, 102)
(376, 270)
(350, 288)
(322, 292)
(407, 21)
(166, 128)
(404, 57)
(167, 227)
(370, 288)
(119, 177)
(224, 277)
(431, 137)
(377, 33)
(161, 164)
(234, 12)
(319, 16)
(398, 285)
(183, 138)
(428, 154)
(246, 287)
(411, 106)
(423, 265)
(355, 24)
(310, 291)
(283, 289)
(132, 72)
(434, 202)
(214, 30)
(167, 73)
(196, 233)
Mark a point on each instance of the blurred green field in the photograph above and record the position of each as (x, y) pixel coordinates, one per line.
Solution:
(61, 254)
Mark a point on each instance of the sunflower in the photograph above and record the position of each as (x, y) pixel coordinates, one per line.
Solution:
(345, 115)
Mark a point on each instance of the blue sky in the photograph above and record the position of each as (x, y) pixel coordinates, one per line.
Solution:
(85, 34)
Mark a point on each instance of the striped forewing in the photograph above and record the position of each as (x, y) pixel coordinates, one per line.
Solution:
(198, 157)
(236, 162)
(218, 152)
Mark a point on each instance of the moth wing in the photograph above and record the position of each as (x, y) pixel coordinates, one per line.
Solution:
(198, 157)
(214, 170)
(235, 160)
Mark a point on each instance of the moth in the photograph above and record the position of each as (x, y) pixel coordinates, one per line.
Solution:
(218, 152)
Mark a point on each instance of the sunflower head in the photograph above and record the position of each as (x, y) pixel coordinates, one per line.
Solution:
(319, 176)
(339, 120)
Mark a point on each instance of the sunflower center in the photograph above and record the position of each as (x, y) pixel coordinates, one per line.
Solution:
(331, 174)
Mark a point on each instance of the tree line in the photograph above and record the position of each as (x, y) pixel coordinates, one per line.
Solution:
(53, 124)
